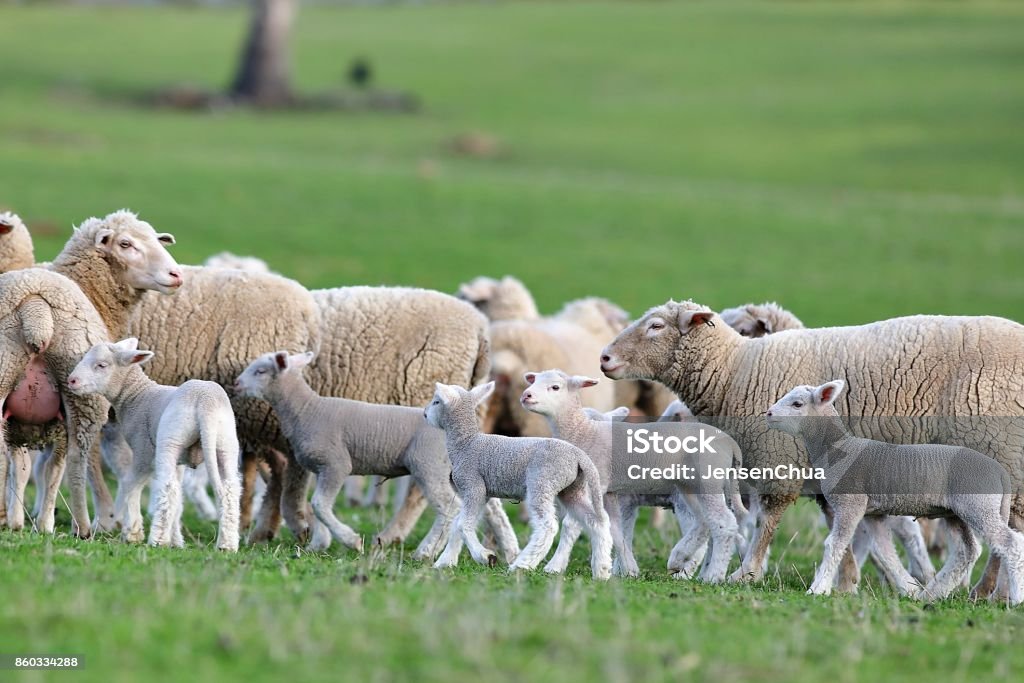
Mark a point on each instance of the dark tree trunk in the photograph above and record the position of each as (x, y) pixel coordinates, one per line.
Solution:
(264, 72)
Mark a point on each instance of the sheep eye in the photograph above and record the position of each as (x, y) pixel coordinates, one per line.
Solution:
(436, 401)
(657, 326)
(125, 244)
(261, 371)
(798, 404)
(101, 366)
(554, 388)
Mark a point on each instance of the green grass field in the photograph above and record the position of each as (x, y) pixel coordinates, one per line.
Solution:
(854, 161)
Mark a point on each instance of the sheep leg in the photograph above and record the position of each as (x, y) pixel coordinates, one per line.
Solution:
(402, 485)
(961, 555)
(848, 510)
(848, 576)
(354, 486)
(4, 460)
(293, 500)
(688, 554)
(567, 537)
(329, 482)
(624, 559)
(102, 502)
(1009, 546)
(39, 478)
(473, 501)
(441, 496)
(17, 479)
(543, 525)
(909, 532)
(166, 493)
(194, 487)
(724, 531)
(376, 492)
(249, 473)
(597, 525)
(501, 528)
(450, 556)
(404, 519)
(48, 484)
(884, 554)
(628, 509)
(269, 517)
(85, 417)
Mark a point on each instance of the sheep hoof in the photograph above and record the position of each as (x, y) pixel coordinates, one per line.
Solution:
(492, 560)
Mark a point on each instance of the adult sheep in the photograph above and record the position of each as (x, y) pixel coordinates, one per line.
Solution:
(50, 315)
(920, 366)
(15, 243)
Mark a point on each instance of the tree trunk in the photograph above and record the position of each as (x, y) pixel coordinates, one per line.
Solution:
(264, 72)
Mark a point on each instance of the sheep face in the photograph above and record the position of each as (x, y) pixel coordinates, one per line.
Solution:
(804, 401)
(744, 320)
(259, 379)
(135, 249)
(103, 368)
(8, 221)
(452, 404)
(552, 391)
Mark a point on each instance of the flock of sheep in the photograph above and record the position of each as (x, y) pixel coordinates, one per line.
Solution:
(114, 354)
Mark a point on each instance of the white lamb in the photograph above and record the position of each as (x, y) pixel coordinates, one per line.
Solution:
(556, 396)
(536, 470)
(865, 479)
(167, 428)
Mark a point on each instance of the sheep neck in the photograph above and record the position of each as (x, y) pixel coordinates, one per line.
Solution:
(698, 372)
(112, 298)
(292, 399)
(131, 392)
(823, 437)
(461, 426)
(571, 420)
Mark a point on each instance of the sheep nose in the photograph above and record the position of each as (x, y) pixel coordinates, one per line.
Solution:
(528, 395)
(769, 413)
(605, 358)
(72, 381)
(175, 276)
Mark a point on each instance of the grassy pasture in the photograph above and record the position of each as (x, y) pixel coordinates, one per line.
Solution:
(854, 161)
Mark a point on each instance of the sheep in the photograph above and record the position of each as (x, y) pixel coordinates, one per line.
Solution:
(167, 428)
(535, 470)
(15, 243)
(864, 479)
(758, 320)
(557, 397)
(919, 365)
(226, 259)
(505, 299)
(335, 437)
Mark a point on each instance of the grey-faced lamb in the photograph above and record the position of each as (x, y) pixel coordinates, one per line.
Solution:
(865, 479)
(920, 365)
(534, 470)
(167, 428)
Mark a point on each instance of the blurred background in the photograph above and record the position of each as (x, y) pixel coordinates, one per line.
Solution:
(853, 161)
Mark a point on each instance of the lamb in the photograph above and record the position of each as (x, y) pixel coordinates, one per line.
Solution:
(534, 470)
(556, 396)
(15, 243)
(919, 365)
(864, 479)
(336, 437)
(758, 320)
(167, 428)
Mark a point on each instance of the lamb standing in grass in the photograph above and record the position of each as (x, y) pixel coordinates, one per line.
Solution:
(335, 437)
(167, 428)
(556, 396)
(968, 488)
(531, 469)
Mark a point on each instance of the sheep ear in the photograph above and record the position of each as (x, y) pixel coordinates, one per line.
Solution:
(301, 360)
(104, 237)
(581, 382)
(482, 393)
(281, 360)
(828, 392)
(619, 413)
(128, 344)
(165, 238)
(530, 377)
(141, 357)
(132, 357)
(691, 320)
(763, 326)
